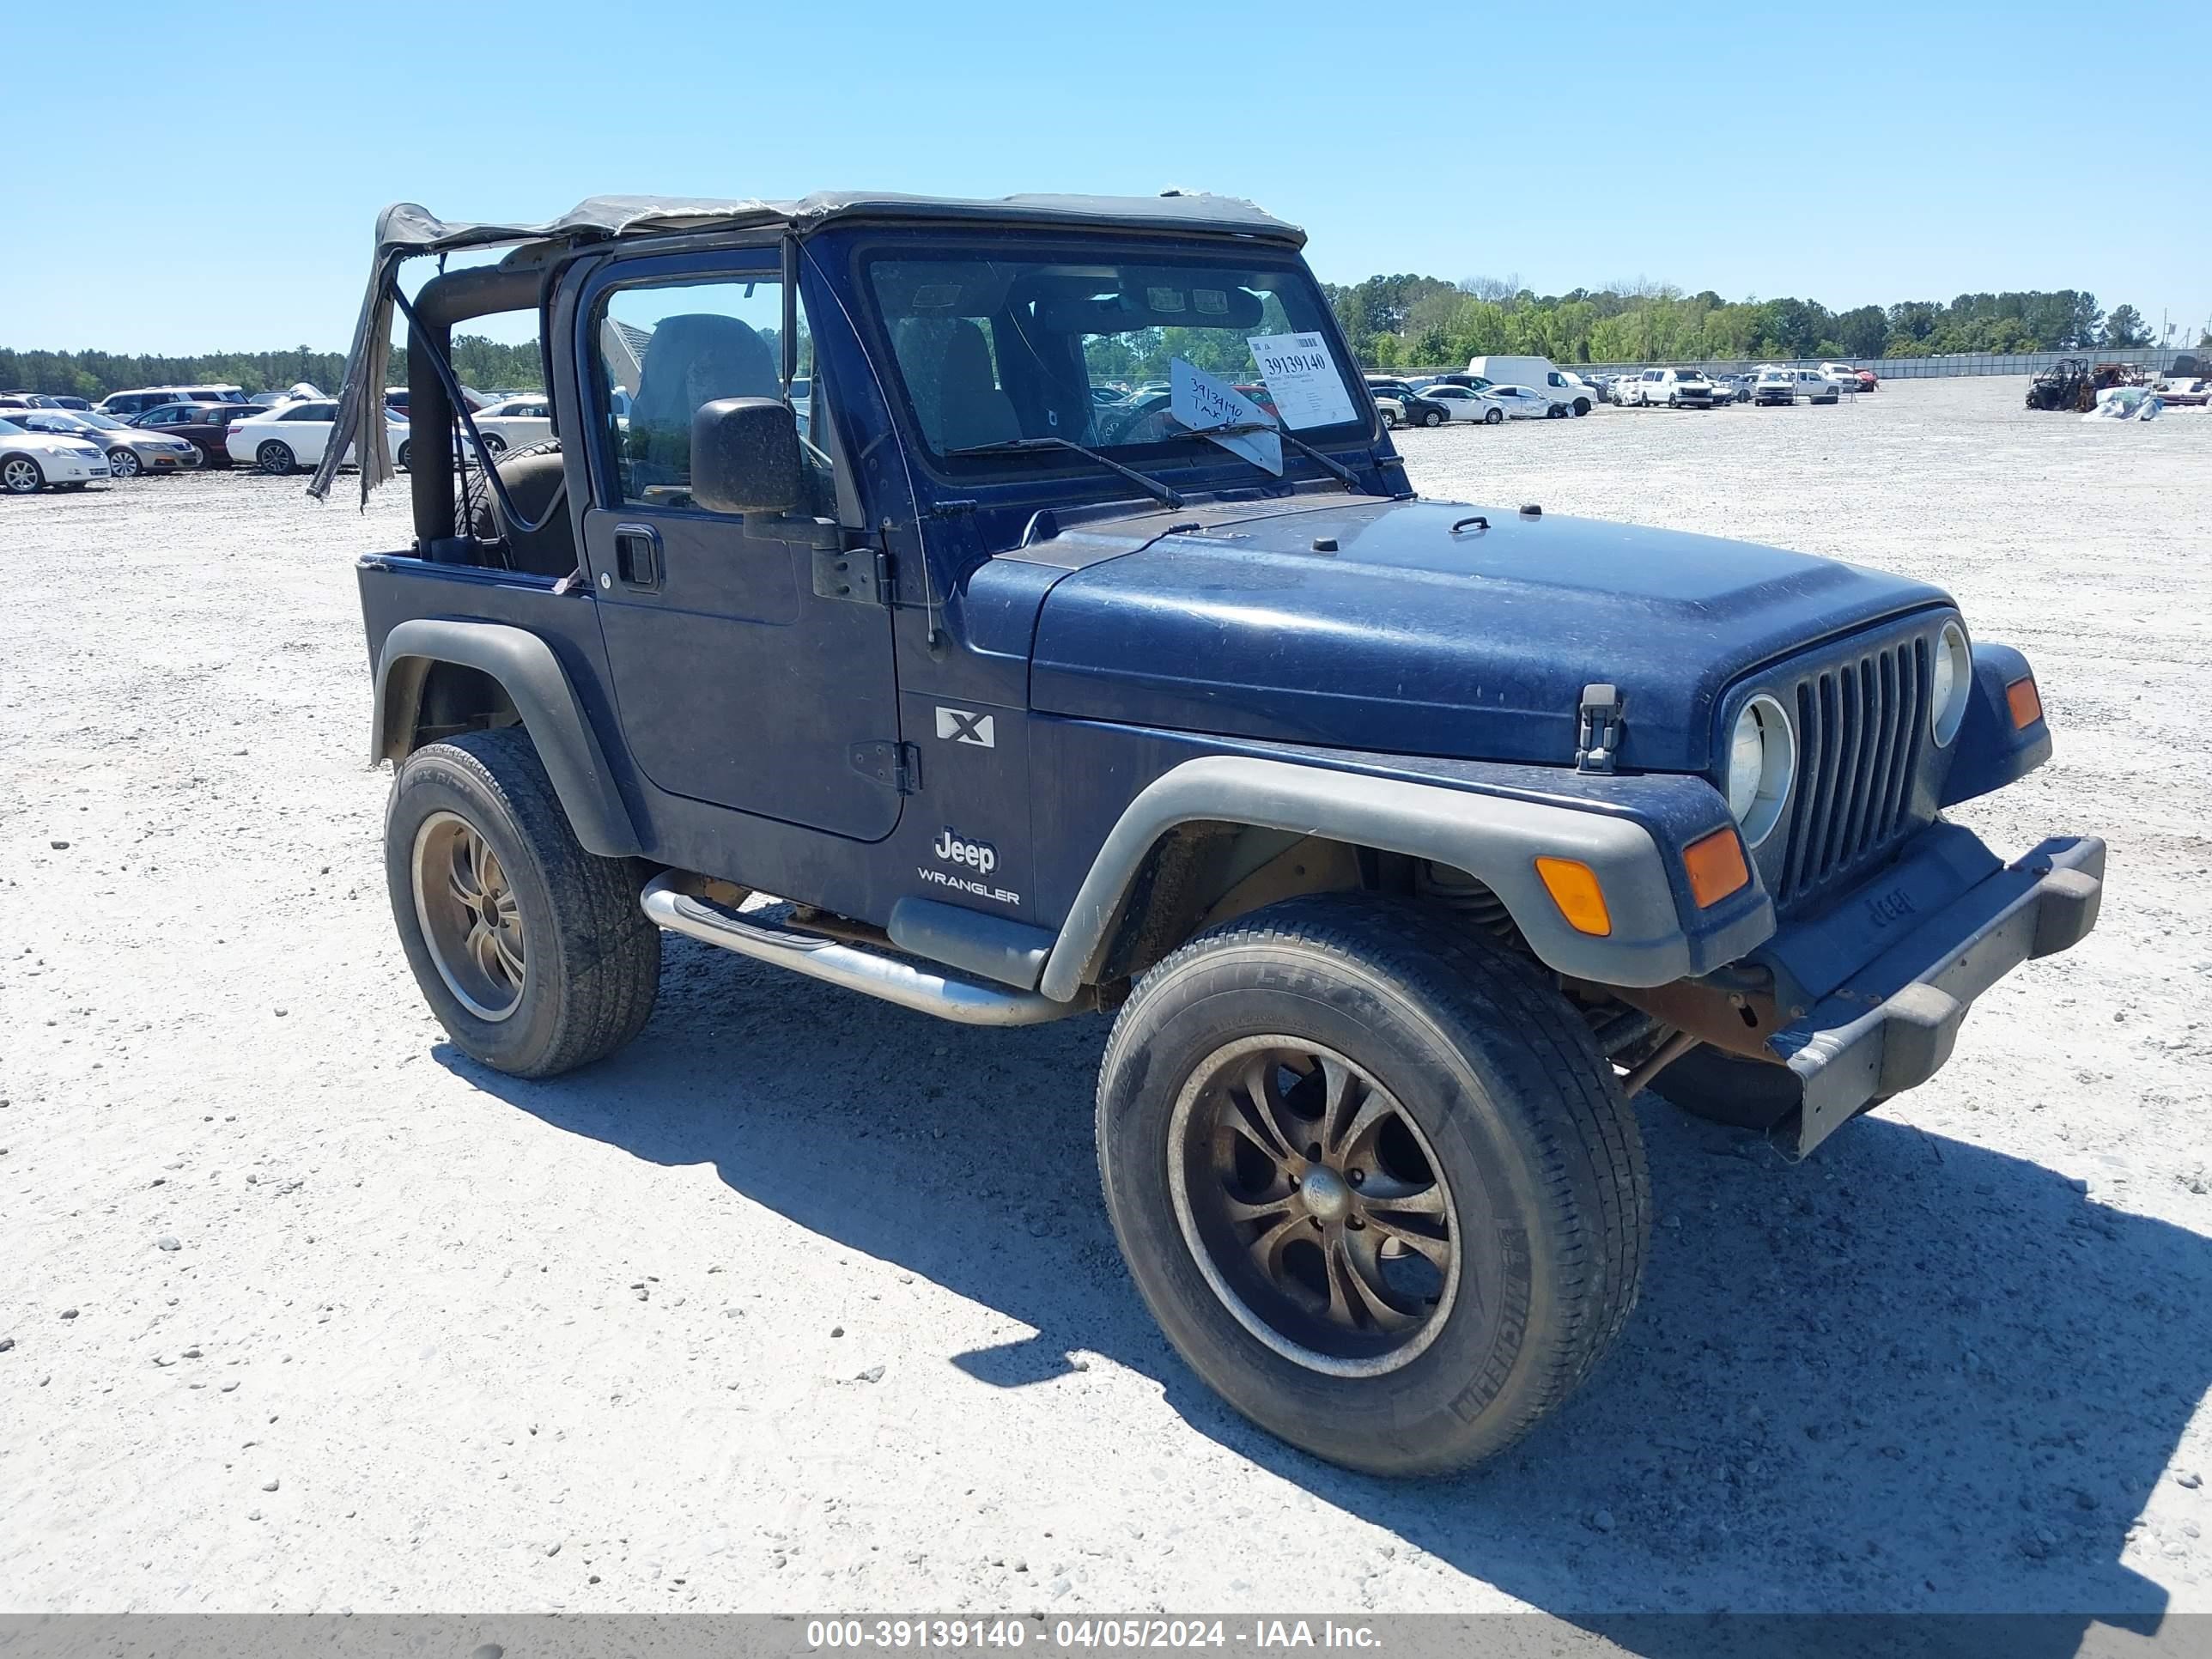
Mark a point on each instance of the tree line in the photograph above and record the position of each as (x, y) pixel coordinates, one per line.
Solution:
(1408, 321)
(94, 374)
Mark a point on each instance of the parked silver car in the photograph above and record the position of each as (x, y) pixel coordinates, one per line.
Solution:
(130, 450)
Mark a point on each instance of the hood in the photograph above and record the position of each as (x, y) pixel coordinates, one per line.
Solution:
(1421, 632)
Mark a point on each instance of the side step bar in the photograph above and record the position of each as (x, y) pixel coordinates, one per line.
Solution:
(666, 904)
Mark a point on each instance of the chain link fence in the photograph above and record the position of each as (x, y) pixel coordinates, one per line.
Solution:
(2157, 359)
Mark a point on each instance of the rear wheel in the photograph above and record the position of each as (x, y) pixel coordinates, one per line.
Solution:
(20, 476)
(496, 446)
(532, 952)
(1373, 1180)
(275, 457)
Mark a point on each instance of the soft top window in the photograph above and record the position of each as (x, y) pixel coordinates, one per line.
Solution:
(1008, 343)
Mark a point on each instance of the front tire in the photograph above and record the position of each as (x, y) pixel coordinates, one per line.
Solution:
(1493, 416)
(532, 952)
(123, 462)
(22, 476)
(1431, 417)
(1582, 406)
(275, 459)
(1373, 1179)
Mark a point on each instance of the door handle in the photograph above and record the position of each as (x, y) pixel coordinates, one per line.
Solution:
(637, 555)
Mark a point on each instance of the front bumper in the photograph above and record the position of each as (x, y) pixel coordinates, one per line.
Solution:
(1891, 1025)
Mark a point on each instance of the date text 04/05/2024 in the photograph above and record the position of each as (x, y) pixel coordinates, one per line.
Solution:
(1071, 1635)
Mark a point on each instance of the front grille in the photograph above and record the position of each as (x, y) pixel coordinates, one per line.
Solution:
(1861, 723)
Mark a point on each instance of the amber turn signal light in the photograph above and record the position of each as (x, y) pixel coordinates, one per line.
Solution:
(2024, 701)
(1716, 866)
(1574, 888)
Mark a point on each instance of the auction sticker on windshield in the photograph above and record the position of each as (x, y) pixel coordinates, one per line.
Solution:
(1302, 378)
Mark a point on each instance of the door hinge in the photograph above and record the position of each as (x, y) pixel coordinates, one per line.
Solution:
(1599, 728)
(896, 765)
(861, 574)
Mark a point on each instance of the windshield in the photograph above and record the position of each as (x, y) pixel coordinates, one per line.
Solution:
(9, 429)
(993, 349)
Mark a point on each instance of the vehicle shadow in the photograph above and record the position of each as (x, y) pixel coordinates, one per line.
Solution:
(1909, 1375)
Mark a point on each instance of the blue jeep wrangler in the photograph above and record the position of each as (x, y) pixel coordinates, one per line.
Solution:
(911, 598)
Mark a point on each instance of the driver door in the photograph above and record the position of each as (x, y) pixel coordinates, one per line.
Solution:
(740, 680)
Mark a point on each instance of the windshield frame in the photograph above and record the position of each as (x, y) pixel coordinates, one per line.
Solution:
(1199, 468)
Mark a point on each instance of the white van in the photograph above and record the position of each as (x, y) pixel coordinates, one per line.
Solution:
(1540, 373)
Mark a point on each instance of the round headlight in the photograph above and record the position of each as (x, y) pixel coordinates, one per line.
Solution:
(1762, 765)
(1955, 675)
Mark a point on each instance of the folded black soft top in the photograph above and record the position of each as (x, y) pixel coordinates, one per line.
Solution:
(405, 230)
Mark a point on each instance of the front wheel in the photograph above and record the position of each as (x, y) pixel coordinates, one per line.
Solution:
(1493, 416)
(1373, 1179)
(20, 476)
(274, 457)
(1582, 406)
(123, 462)
(1431, 417)
(532, 952)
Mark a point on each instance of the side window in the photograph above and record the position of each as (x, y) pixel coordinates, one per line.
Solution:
(666, 350)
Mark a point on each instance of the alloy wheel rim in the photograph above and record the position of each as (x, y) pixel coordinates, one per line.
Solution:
(20, 476)
(124, 463)
(273, 459)
(1314, 1205)
(470, 919)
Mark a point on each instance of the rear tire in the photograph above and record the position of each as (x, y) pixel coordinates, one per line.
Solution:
(1476, 1081)
(274, 458)
(532, 952)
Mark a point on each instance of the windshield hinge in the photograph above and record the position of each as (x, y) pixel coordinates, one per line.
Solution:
(861, 574)
(1599, 728)
(896, 765)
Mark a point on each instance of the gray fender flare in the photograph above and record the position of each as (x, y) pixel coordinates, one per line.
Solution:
(536, 684)
(1494, 838)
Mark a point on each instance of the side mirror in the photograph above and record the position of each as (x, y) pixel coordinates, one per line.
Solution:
(744, 456)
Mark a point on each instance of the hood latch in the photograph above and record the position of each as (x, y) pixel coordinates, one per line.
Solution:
(1599, 729)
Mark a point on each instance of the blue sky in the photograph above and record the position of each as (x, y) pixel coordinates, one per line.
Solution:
(1841, 154)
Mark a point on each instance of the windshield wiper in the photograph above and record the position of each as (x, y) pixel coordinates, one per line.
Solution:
(1239, 428)
(1152, 487)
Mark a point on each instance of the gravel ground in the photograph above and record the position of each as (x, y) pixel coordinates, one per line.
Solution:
(803, 1302)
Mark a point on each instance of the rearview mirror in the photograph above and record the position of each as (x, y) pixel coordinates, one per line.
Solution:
(744, 456)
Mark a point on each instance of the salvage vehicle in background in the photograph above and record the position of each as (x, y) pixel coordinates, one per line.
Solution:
(285, 439)
(129, 452)
(1540, 373)
(1462, 403)
(1520, 403)
(1678, 388)
(514, 421)
(205, 425)
(1786, 386)
(32, 460)
(121, 405)
(946, 707)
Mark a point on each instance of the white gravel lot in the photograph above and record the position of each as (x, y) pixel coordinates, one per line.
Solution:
(808, 1303)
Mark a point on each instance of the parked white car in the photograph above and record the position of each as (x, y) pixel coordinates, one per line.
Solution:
(1846, 377)
(1524, 403)
(1776, 386)
(529, 420)
(32, 461)
(295, 435)
(1677, 388)
(1466, 404)
(1540, 375)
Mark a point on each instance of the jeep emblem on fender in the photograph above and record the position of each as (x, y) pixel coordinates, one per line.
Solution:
(958, 725)
(979, 855)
